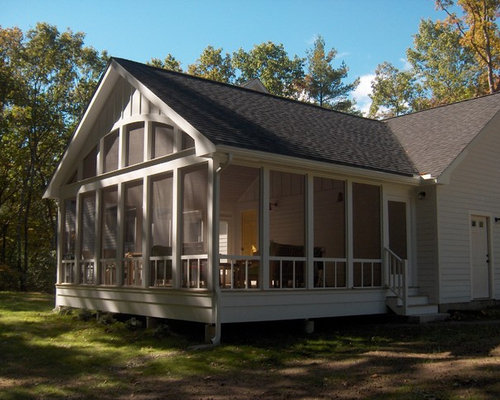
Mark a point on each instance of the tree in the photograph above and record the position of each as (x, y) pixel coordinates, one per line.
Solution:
(395, 92)
(54, 75)
(447, 70)
(323, 83)
(169, 62)
(213, 65)
(280, 74)
(478, 32)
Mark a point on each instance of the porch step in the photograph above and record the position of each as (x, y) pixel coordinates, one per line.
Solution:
(425, 318)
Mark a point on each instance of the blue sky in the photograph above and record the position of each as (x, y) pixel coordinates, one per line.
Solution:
(364, 32)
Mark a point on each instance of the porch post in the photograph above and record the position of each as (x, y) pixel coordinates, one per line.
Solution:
(78, 225)
(349, 235)
(264, 226)
(213, 225)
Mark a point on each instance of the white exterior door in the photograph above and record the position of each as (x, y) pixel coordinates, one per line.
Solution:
(480, 257)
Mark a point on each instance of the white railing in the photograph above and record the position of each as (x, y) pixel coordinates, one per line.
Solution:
(194, 271)
(132, 271)
(397, 276)
(287, 272)
(87, 272)
(108, 271)
(239, 272)
(161, 271)
(330, 272)
(367, 273)
(68, 271)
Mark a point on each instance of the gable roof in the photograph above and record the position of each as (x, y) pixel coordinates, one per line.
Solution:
(238, 117)
(434, 138)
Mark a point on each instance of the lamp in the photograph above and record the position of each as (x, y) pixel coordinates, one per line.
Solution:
(497, 219)
(421, 195)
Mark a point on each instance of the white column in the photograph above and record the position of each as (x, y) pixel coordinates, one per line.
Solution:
(61, 211)
(78, 250)
(264, 226)
(98, 236)
(120, 226)
(213, 226)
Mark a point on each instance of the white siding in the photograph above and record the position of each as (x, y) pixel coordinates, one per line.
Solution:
(474, 188)
(426, 243)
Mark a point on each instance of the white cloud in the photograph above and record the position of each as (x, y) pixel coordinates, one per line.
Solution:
(406, 64)
(362, 92)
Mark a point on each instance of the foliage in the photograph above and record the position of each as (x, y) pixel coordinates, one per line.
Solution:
(395, 92)
(323, 83)
(47, 79)
(169, 62)
(447, 69)
(280, 74)
(213, 65)
(479, 33)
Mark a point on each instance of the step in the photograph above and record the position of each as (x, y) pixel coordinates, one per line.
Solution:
(412, 300)
(425, 318)
(422, 309)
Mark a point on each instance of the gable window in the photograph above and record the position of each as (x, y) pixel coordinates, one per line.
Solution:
(135, 144)
(111, 149)
(90, 164)
(187, 141)
(163, 140)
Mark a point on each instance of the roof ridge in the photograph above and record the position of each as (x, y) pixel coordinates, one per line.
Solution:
(443, 105)
(237, 87)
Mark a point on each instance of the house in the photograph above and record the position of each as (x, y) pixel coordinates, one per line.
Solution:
(184, 198)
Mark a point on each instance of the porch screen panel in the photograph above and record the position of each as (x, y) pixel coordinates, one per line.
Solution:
(110, 156)
(194, 226)
(69, 232)
(109, 222)
(239, 227)
(132, 234)
(366, 235)
(161, 231)
(135, 144)
(87, 243)
(287, 230)
(90, 164)
(187, 141)
(68, 241)
(163, 140)
(329, 233)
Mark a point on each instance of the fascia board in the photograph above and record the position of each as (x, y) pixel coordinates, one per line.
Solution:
(203, 145)
(281, 161)
(72, 152)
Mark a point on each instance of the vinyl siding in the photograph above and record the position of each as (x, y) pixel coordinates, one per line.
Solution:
(474, 188)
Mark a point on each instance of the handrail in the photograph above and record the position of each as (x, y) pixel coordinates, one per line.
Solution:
(397, 276)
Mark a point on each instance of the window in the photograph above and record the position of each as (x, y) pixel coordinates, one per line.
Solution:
(187, 141)
(135, 144)
(90, 164)
(110, 159)
(163, 140)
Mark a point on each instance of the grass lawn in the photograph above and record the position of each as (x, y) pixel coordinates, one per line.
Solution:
(44, 355)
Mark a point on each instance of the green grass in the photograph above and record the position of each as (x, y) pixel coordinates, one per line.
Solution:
(45, 355)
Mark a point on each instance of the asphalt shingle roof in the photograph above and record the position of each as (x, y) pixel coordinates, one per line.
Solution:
(234, 116)
(434, 138)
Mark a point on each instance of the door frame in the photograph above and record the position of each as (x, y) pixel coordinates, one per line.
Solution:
(489, 232)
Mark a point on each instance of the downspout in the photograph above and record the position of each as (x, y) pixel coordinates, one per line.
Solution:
(216, 292)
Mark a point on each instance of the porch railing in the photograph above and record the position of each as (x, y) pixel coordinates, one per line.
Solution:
(68, 271)
(87, 272)
(287, 272)
(194, 271)
(367, 273)
(132, 271)
(108, 271)
(161, 271)
(330, 272)
(239, 272)
(397, 276)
